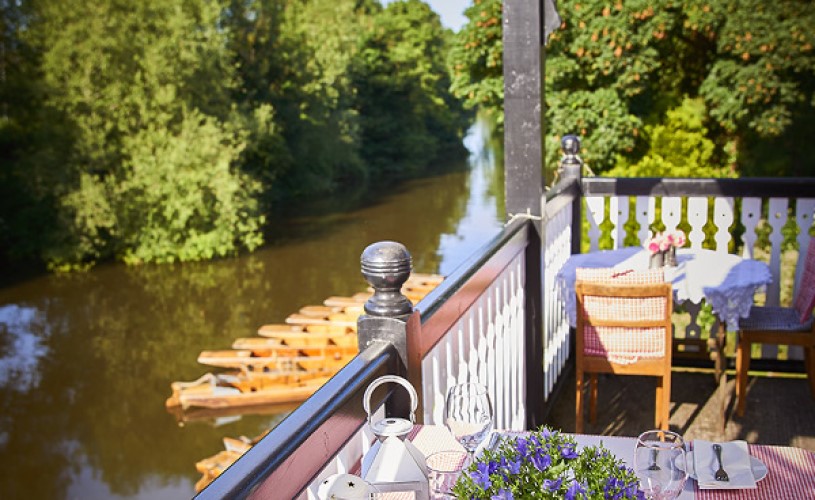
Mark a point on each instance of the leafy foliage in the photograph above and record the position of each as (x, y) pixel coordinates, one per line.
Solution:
(476, 60)
(615, 69)
(160, 131)
(406, 114)
(677, 147)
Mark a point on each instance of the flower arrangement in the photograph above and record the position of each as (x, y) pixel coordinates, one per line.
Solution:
(661, 242)
(546, 464)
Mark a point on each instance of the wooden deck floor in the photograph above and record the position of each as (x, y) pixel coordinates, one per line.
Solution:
(779, 411)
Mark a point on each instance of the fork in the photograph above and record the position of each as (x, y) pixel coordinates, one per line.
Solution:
(720, 474)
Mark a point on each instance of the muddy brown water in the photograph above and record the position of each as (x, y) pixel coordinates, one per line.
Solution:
(86, 360)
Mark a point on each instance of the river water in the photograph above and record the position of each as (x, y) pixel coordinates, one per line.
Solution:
(86, 360)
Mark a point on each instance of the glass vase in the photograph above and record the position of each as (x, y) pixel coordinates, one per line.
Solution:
(670, 257)
(657, 260)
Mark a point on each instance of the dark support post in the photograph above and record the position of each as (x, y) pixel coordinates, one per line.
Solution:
(571, 167)
(523, 106)
(386, 265)
(523, 169)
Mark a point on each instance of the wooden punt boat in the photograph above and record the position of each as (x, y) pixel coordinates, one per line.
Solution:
(280, 359)
(358, 299)
(264, 346)
(337, 318)
(245, 389)
(212, 467)
(245, 359)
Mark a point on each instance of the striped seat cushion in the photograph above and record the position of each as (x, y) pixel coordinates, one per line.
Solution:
(805, 297)
(618, 344)
(774, 318)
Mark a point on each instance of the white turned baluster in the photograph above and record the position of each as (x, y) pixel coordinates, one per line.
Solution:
(646, 213)
(492, 344)
(776, 218)
(618, 213)
(750, 217)
(595, 213)
(472, 347)
(804, 214)
(723, 218)
(697, 218)
(671, 212)
(482, 340)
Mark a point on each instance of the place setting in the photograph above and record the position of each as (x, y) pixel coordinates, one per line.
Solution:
(663, 462)
(725, 465)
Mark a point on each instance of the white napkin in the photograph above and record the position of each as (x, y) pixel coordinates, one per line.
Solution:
(736, 461)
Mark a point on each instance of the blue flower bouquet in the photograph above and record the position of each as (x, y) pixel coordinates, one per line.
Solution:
(546, 464)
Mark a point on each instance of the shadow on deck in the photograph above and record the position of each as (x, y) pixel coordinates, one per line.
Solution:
(780, 411)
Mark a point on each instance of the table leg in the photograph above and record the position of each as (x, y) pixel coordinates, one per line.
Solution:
(721, 374)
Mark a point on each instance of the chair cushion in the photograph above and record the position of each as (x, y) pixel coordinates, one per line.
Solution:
(608, 275)
(623, 345)
(774, 318)
(805, 298)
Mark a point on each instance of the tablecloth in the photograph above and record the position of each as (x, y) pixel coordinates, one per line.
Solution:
(726, 281)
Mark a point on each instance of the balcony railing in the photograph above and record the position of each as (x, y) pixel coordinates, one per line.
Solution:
(497, 319)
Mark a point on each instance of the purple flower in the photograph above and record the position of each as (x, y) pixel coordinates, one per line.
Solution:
(481, 476)
(568, 452)
(522, 445)
(503, 495)
(552, 484)
(541, 460)
(514, 467)
(574, 490)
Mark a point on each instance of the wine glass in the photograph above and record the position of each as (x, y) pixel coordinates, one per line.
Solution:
(660, 463)
(468, 415)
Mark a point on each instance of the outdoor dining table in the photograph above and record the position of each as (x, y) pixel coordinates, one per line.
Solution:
(726, 281)
(790, 470)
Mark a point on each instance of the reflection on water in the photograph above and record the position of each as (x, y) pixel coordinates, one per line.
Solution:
(86, 360)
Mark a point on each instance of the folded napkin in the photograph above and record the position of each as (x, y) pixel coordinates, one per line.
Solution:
(736, 461)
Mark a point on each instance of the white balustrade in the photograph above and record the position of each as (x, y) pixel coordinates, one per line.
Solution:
(487, 346)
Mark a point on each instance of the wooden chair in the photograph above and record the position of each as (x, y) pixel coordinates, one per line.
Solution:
(623, 327)
(780, 326)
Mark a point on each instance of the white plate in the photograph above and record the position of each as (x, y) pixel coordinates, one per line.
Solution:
(759, 469)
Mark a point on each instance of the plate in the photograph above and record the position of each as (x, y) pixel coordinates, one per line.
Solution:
(758, 467)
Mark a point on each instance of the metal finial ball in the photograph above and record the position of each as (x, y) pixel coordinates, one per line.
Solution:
(570, 144)
(386, 265)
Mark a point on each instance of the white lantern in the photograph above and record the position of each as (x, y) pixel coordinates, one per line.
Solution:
(344, 487)
(393, 463)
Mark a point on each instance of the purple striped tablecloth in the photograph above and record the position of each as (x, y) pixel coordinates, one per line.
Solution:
(791, 475)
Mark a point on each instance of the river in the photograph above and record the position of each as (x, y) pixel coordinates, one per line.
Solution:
(86, 360)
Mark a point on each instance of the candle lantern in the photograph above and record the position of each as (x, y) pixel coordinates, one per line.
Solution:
(393, 463)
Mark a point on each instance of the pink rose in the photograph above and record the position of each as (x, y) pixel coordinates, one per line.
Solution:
(679, 238)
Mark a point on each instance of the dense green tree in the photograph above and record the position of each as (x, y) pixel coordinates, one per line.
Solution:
(677, 147)
(616, 67)
(170, 130)
(406, 114)
(142, 161)
(476, 60)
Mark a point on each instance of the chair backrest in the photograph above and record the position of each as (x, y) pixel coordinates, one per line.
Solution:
(805, 296)
(623, 316)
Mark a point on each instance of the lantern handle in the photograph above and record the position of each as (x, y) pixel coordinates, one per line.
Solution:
(414, 398)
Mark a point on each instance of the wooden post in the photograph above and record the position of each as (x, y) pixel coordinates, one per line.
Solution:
(571, 166)
(523, 106)
(523, 37)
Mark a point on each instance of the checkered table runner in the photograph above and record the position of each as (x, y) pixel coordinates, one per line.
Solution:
(791, 475)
